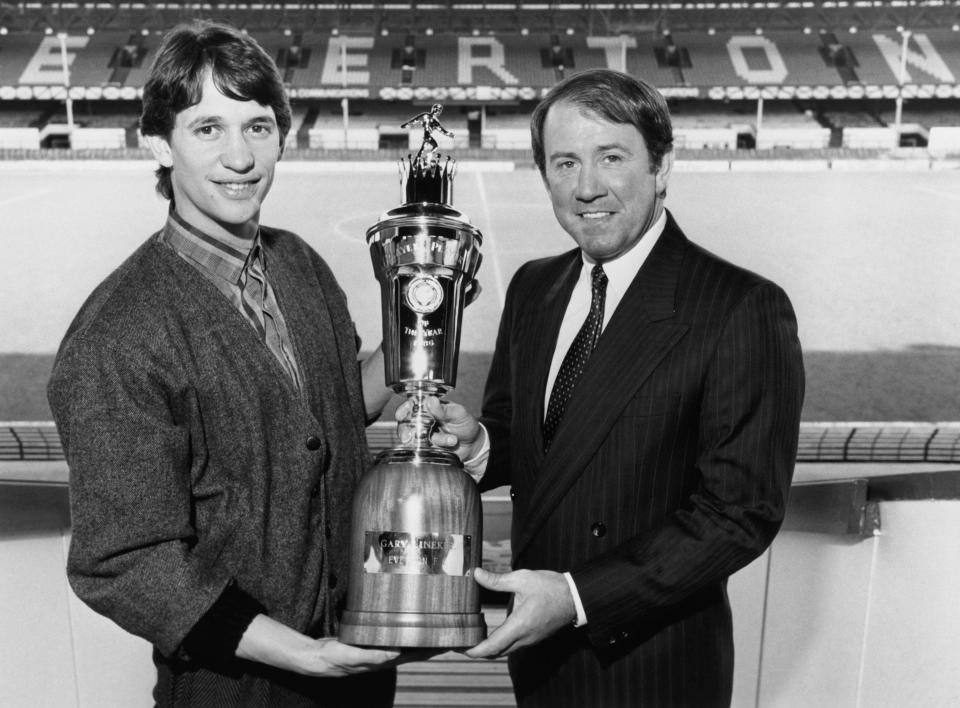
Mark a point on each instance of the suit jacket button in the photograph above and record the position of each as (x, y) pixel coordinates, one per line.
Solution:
(313, 443)
(513, 494)
(598, 529)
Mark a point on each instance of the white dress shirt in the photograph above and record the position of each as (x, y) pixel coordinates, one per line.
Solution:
(620, 273)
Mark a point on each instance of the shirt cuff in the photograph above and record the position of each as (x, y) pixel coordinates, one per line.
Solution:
(215, 638)
(476, 466)
(581, 614)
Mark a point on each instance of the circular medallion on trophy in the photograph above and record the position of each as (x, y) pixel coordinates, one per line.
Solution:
(424, 294)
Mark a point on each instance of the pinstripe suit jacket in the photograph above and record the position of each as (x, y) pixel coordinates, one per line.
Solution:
(669, 471)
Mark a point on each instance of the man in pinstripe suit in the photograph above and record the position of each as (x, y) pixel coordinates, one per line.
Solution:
(670, 466)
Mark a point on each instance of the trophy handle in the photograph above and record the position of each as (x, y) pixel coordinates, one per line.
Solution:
(472, 289)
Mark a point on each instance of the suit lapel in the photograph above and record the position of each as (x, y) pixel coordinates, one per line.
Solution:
(541, 333)
(638, 336)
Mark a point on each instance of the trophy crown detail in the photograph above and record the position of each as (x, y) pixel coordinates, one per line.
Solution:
(427, 180)
(427, 177)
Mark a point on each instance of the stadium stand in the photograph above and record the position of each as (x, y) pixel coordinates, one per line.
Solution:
(105, 125)
(372, 125)
(709, 60)
(857, 114)
(943, 141)
(926, 112)
(824, 75)
(721, 125)
(505, 129)
(19, 125)
(929, 57)
(783, 126)
(95, 64)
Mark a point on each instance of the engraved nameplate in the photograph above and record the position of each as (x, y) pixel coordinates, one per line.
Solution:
(417, 553)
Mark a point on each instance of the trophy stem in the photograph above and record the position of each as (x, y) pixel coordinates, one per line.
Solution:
(415, 432)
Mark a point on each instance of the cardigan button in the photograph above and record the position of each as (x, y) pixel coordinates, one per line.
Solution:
(313, 443)
(598, 529)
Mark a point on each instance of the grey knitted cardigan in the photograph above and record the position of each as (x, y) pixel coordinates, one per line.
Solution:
(195, 462)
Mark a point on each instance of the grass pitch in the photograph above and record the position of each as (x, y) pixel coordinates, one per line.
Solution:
(868, 257)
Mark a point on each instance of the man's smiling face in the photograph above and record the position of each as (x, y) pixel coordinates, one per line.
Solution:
(223, 153)
(604, 190)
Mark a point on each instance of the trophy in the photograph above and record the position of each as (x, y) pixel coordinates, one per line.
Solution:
(417, 524)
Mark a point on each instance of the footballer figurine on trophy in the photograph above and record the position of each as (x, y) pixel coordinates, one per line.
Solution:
(417, 522)
(430, 122)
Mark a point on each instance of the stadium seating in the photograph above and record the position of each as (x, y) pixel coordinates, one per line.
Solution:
(714, 124)
(506, 129)
(783, 126)
(700, 64)
(15, 114)
(829, 87)
(18, 138)
(886, 138)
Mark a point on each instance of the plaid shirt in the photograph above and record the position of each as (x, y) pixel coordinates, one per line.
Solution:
(228, 264)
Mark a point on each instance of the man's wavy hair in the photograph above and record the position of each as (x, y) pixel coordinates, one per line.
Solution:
(615, 97)
(241, 70)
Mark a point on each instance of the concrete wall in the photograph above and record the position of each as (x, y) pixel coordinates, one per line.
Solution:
(821, 620)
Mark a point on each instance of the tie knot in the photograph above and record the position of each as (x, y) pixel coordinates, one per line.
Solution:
(255, 264)
(598, 277)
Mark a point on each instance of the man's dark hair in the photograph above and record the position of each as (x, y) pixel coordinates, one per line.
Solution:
(241, 70)
(616, 97)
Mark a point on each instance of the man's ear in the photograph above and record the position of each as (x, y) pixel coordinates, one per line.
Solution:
(160, 148)
(663, 173)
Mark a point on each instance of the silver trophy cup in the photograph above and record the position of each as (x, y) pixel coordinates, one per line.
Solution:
(417, 523)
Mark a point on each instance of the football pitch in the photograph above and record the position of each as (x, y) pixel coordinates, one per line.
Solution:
(868, 256)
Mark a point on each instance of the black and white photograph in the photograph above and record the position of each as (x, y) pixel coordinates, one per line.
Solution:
(541, 355)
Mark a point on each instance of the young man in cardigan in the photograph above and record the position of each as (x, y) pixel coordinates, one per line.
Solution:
(212, 412)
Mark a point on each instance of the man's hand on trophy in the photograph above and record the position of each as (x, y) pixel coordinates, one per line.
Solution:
(334, 658)
(330, 657)
(542, 606)
(270, 642)
(456, 429)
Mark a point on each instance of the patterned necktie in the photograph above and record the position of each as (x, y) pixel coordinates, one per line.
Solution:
(253, 288)
(576, 357)
(260, 306)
